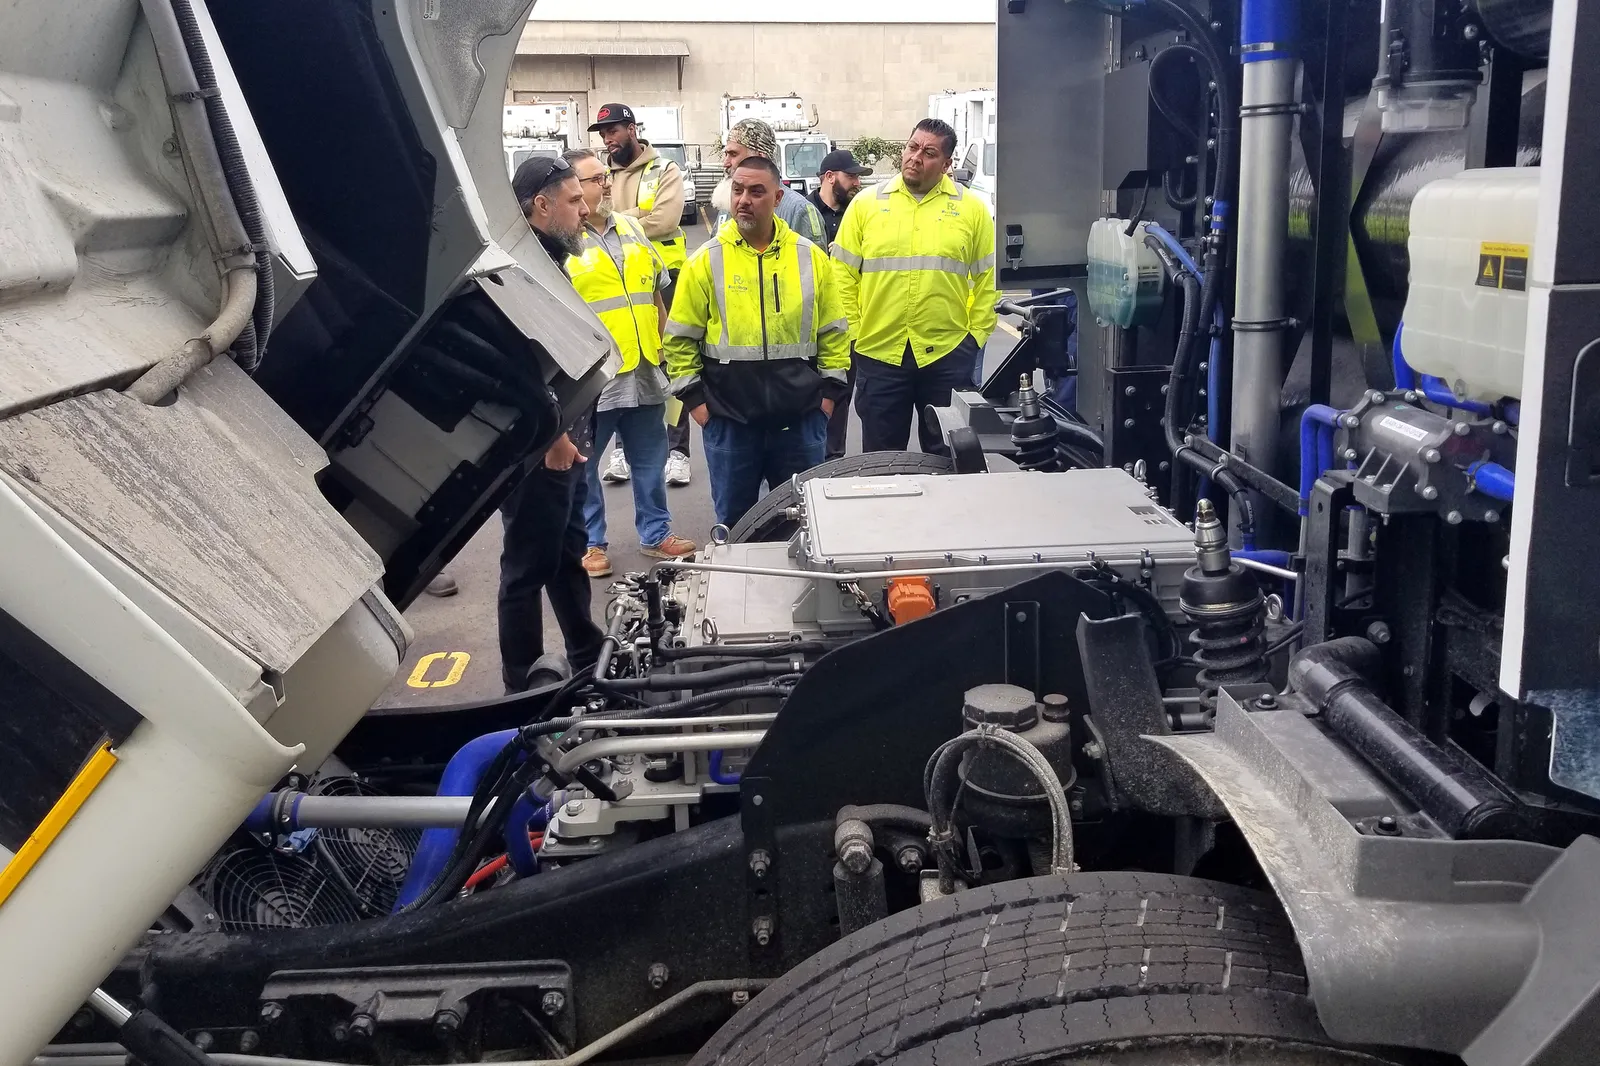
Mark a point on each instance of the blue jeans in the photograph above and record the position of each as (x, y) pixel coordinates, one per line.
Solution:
(643, 431)
(742, 456)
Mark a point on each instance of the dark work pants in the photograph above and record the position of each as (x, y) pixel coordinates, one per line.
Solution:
(889, 398)
(839, 423)
(542, 550)
(678, 432)
(741, 457)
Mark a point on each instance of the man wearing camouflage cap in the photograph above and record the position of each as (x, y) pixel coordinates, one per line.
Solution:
(751, 136)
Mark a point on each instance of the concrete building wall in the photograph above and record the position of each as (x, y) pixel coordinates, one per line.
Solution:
(865, 79)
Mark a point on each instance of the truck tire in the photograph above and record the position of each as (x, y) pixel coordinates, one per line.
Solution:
(767, 521)
(1130, 969)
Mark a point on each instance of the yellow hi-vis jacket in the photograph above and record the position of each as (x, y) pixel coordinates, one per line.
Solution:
(651, 189)
(917, 272)
(624, 301)
(758, 337)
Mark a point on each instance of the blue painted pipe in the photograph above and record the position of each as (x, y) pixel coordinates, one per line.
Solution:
(525, 816)
(716, 771)
(1268, 29)
(1316, 448)
(461, 777)
(1493, 480)
(1432, 387)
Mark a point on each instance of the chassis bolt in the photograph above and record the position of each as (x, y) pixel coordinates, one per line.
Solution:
(1093, 750)
(204, 1041)
(1491, 516)
(1461, 429)
(909, 859)
(1378, 633)
(1430, 455)
(1429, 492)
(1388, 826)
(761, 929)
(1498, 429)
(271, 1011)
(445, 1024)
(1454, 518)
(573, 808)
(553, 1003)
(1350, 421)
(1412, 397)
(341, 1032)
(760, 862)
(658, 975)
(856, 856)
(362, 1027)
(741, 998)
(249, 1040)
(1267, 701)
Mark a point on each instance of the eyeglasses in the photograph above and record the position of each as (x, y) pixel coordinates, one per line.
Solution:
(560, 170)
(602, 179)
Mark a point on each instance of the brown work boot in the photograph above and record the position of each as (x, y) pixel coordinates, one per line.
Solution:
(674, 547)
(596, 564)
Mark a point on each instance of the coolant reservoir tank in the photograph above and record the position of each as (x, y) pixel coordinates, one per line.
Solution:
(1467, 308)
(1125, 277)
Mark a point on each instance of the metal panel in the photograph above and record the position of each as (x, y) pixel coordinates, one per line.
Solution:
(1049, 180)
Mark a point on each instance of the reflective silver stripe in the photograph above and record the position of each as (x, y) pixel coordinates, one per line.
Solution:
(915, 262)
(838, 325)
(848, 258)
(808, 290)
(751, 353)
(986, 263)
(679, 329)
(719, 285)
(614, 303)
(679, 386)
(837, 375)
(959, 192)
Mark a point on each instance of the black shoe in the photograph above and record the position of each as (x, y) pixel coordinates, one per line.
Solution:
(443, 585)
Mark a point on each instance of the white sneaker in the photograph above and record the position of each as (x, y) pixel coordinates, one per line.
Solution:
(617, 469)
(677, 469)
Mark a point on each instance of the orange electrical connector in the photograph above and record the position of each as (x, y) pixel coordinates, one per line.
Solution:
(910, 598)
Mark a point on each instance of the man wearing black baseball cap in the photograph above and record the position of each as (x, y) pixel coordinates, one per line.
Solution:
(841, 179)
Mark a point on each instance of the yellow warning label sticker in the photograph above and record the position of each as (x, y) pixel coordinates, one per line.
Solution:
(1503, 266)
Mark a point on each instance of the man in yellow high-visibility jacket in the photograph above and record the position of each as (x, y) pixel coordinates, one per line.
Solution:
(621, 276)
(756, 345)
(914, 260)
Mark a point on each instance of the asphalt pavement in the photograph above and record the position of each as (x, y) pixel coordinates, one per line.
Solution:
(454, 656)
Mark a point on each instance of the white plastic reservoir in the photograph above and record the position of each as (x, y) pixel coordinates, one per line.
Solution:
(1467, 311)
(1125, 278)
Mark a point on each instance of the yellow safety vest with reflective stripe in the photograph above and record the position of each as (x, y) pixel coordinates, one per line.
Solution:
(917, 272)
(624, 300)
(741, 310)
(672, 247)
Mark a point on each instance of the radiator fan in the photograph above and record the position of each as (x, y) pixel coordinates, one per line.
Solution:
(253, 887)
(370, 864)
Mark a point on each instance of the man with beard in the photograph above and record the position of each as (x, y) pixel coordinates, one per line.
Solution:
(841, 180)
(756, 345)
(621, 277)
(649, 187)
(915, 263)
(751, 136)
(542, 519)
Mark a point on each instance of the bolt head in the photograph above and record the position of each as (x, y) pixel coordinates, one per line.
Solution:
(741, 998)
(271, 1011)
(1379, 633)
(760, 862)
(1129, 391)
(553, 1003)
(1429, 492)
(1470, 32)
(249, 1041)
(1454, 518)
(1412, 396)
(362, 1027)
(1430, 455)
(1499, 429)
(1491, 516)
(1267, 701)
(856, 856)
(574, 807)
(658, 975)
(1461, 429)
(1350, 421)
(1351, 454)
(1374, 395)
(909, 859)
(1093, 750)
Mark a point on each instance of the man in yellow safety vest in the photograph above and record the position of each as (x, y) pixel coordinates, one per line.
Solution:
(621, 276)
(756, 345)
(649, 187)
(915, 264)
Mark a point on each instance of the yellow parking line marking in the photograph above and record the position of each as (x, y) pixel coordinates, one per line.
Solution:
(1009, 328)
(458, 666)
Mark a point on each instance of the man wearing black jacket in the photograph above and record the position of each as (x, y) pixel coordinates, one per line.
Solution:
(542, 519)
(841, 180)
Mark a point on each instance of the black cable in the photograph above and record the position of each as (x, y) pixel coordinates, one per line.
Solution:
(1179, 123)
(1178, 201)
(238, 176)
(1144, 200)
(750, 651)
(699, 679)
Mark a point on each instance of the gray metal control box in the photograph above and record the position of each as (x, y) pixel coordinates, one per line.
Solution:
(970, 535)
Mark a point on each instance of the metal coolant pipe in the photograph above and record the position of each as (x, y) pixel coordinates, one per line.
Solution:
(1268, 33)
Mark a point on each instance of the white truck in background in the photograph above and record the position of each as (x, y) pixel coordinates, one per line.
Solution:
(536, 129)
(800, 147)
(973, 114)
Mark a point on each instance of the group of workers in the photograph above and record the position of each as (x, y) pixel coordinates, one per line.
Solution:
(761, 336)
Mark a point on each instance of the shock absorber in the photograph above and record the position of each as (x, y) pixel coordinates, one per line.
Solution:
(1223, 602)
(1034, 432)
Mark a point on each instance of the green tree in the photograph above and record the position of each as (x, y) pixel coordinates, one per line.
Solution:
(873, 150)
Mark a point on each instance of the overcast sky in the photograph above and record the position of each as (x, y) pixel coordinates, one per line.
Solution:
(796, 10)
